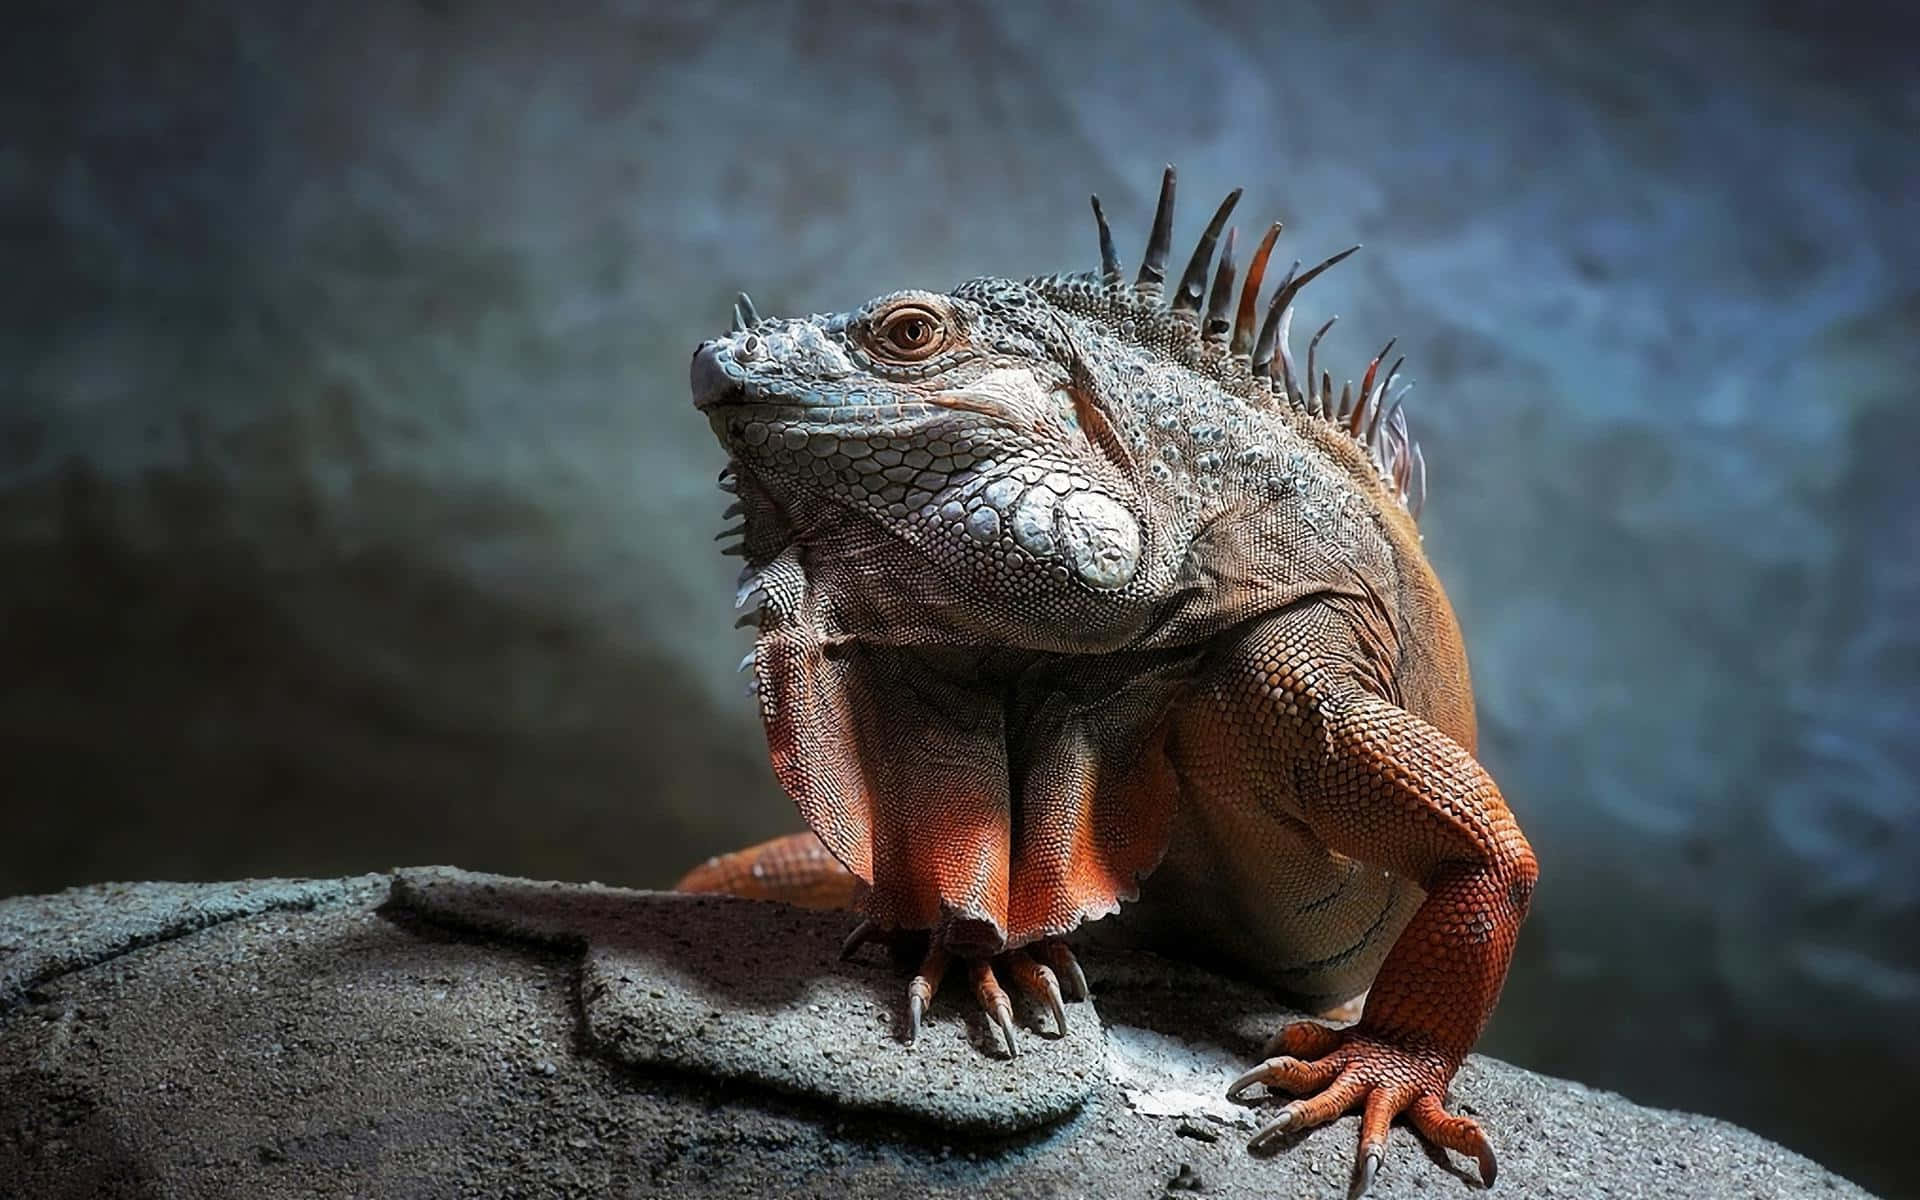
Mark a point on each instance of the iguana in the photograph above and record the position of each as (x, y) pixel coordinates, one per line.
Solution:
(1069, 594)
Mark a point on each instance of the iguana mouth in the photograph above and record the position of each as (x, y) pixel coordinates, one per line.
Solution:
(716, 381)
(721, 385)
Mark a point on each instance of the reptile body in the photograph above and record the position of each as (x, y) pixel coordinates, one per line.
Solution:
(1071, 594)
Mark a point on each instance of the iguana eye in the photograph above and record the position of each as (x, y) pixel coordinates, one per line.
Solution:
(911, 332)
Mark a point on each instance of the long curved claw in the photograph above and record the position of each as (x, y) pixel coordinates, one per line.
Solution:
(1382, 1105)
(1059, 956)
(920, 990)
(1286, 1072)
(1339, 1096)
(1363, 1174)
(1272, 1129)
(1459, 1134)
(993, 1000)
(1038, 981)
(1239, 1086)
(1258, 1075)
(862, 933)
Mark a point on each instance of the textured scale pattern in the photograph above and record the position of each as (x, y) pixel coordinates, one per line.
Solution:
(796, 869)
(1074, 600)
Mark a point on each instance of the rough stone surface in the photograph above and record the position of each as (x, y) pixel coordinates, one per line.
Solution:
(450, 1042)
(45, 936)
(681, 982)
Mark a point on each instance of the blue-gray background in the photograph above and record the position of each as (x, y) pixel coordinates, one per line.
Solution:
(352, 512)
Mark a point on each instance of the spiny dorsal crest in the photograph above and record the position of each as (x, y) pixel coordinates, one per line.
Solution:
(1258, 367)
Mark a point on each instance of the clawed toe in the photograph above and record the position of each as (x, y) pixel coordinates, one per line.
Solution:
(1363, 1173)
(1059, 956)
(1332, 1071)
(1280, 1124)
(867, 930)
(993, 1001)
(920, 990)
(1285, 1072)
(1036, 973)
(1459, 1134)
(1039, 982)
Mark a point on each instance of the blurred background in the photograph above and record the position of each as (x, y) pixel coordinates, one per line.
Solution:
(353, 512)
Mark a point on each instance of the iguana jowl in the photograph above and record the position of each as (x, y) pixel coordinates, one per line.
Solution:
(1061, 587)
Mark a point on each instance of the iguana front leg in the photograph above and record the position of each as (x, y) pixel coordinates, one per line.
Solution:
(898, 763)
(1288, 717)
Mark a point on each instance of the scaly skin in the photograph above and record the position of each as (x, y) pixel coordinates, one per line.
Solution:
(1061, 588)
(794, 869)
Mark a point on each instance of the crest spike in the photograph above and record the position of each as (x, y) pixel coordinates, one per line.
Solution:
(1310, 276)
(1326, 388)
(1263, 348)
(1109, 257)
(1153, 265)
(1393, 373)
(1214, 326)
(1377, 420)
(1366, 384)
(1250, 294)
(1402, 441)
(1194, 281)
(1285, 353)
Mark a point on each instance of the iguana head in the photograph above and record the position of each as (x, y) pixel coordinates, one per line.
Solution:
(1010, 463)
(940, 435)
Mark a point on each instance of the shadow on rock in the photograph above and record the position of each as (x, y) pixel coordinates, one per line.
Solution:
(736, 990)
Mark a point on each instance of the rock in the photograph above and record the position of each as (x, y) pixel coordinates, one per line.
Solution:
(46, 936)
(453, 1033)
(683, 982)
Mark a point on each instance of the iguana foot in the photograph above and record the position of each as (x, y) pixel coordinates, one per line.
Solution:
(1348, 1066)
(1028, 974)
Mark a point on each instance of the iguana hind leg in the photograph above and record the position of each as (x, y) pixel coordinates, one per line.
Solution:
(794, 868)
(1378, 783)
